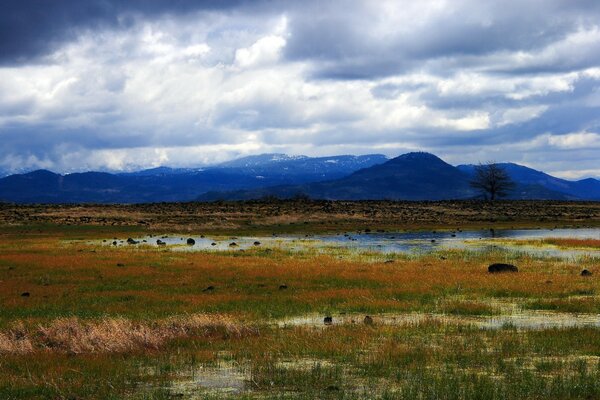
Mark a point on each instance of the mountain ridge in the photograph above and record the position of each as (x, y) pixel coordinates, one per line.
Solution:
(410, 176)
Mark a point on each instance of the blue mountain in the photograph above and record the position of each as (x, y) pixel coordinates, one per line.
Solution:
(177, 184)
(585, 189)
(411, 176)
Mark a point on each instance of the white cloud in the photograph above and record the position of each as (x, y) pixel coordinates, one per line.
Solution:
(576, 140)
(266, 50)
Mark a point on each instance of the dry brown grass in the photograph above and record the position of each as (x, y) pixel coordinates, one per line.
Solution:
(115, 335)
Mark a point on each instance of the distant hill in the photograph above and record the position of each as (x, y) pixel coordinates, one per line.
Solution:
(302, 168)
(412, 176)
(176, 184)
(585, 189)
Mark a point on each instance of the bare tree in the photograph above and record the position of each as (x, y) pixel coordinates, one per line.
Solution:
(492, 181)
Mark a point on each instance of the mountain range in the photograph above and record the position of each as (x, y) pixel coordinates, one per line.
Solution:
(411, 176)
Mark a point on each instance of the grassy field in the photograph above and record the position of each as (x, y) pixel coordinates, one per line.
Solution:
(80, 319)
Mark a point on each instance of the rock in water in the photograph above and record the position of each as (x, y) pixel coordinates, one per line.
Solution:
(500, 267)
(191, 242)
(328, 320)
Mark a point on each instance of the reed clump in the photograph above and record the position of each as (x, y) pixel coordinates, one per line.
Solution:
(115, 335)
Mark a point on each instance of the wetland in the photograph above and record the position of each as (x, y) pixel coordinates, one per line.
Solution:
(350, 304)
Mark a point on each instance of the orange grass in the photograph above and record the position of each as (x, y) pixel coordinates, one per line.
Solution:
(571, 242)
(82, 280)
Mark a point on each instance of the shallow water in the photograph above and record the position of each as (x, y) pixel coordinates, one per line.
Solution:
(389, 242)
(222, 379)
(524, 320)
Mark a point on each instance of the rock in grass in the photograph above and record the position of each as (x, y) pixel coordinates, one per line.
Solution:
(190, 242)
(586, 272)
(25, 294)
(208, 289)
(120, 265)
(501, 267)
(328, 320)
(282, 287)
(368, 320)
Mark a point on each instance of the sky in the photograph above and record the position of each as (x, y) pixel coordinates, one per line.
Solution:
(129, 84)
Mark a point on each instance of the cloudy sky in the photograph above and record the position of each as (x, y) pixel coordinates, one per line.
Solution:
(119, 85)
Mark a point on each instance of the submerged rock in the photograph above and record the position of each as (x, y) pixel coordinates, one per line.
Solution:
(501, 267)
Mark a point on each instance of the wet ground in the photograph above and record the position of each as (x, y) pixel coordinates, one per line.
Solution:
(384, 242)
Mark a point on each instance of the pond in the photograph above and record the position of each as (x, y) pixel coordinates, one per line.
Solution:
(417, 242)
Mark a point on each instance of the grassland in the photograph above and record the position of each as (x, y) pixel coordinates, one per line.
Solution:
(105, 322)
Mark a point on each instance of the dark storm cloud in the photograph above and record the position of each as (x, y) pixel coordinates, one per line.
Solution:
(350, 43)
(33, 28)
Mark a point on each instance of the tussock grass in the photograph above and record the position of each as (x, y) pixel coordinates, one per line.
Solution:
(115, 335)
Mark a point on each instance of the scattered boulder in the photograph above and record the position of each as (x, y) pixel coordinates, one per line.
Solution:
(328, 320)
(114, 243)
(190, 242)
(233, 244)
(586, 272)
(208, 289)
(131, 241)
(501, 267)
(213, 244)
(25, 294)
(368, 320)
(160, 242)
